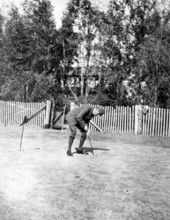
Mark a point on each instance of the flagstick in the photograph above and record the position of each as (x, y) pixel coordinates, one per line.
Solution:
(22, 137)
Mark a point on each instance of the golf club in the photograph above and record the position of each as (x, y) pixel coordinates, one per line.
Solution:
(90, 144)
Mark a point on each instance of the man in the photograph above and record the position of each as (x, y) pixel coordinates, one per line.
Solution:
(80, 118)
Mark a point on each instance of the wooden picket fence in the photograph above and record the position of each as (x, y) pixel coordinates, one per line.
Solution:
(156, 122)
(119, 119)
(116, 120)
(12, 113)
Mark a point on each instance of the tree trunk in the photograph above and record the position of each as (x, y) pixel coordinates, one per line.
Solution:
(155, 96)
(87, 89)
(82, 81)
(87, 80)
(26, 92)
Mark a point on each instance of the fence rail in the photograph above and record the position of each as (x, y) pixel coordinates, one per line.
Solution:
(12, 113)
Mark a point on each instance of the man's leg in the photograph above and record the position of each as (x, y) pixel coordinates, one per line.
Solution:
(82, 140)
(73, 130)
(70, 143)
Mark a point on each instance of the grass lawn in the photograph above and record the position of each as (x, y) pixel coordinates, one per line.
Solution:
(127, 177)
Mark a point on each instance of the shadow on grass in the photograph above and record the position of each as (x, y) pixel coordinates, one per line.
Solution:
(91, 150)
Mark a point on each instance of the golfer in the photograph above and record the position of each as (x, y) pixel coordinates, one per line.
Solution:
(80, 118)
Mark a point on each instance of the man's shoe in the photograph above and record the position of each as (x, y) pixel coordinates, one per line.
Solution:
(69, 153)
(81, 151)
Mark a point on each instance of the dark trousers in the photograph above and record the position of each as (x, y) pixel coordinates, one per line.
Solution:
(73, 125)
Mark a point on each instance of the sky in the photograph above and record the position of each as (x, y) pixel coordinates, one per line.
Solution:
(59, 6)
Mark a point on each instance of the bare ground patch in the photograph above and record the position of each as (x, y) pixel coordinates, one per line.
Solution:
(128, 177)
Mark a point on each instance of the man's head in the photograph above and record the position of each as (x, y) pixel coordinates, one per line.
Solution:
(98, 111)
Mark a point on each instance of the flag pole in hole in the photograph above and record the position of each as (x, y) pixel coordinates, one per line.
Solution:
(22, 134)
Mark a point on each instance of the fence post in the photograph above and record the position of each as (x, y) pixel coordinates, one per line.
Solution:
(138, 119)
(47, 115)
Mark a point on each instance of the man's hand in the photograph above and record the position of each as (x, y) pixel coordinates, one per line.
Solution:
(86, 128)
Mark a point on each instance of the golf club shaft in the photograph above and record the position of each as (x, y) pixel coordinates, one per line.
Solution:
(91, 145)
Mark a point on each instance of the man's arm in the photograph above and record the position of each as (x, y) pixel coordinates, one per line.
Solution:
(81, 114)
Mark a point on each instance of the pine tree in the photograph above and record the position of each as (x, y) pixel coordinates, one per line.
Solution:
(33, 52)
(2, 59)
(44, 49)
(15, 56)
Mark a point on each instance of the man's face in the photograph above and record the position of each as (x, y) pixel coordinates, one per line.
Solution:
(95, 112)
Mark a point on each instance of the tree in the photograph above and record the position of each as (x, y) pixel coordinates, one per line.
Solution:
(125, 27)
(153, 65)
(68, 39)
(33, 52)
(82, 17)
(12, 51)
(44, 48)
(2, 57)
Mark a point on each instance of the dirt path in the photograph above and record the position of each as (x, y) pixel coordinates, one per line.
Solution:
(128, 177)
